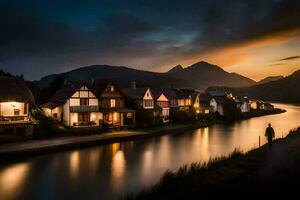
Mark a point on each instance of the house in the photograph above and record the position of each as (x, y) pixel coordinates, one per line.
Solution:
(179, 99)
(112, 104)
(245, 105)
(15, 99)
(204, 101)
(267, 106)
(242, 104)
(90, 105)
(217, 101)
(161, 105)
(142, 96)
(75, 105)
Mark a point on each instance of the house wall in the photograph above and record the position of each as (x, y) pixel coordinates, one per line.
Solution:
(7, 108)
(66, 113)
(148, 102)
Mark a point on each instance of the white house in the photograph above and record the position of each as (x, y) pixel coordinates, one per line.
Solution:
(216, 104)
(245, 105)
(74, 104)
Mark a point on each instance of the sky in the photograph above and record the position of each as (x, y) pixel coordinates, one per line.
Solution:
(255, 38)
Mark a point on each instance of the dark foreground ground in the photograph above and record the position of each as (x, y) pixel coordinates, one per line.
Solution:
(260, 173)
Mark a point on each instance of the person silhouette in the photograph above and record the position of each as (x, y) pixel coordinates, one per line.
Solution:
(270, 134)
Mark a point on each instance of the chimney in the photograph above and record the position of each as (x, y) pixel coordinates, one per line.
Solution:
(133, 85)
(92, 81)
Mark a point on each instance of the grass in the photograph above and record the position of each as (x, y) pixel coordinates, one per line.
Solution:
(237, 175)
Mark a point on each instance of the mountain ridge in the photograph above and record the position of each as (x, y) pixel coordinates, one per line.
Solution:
(199, 75)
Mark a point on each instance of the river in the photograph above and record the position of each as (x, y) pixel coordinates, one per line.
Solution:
(114, 170)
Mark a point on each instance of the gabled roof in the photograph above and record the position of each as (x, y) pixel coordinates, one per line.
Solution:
(100, 85)
(137, 93)
(66, 91)
(14, 89)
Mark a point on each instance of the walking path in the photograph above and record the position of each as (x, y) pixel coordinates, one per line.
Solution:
(50, 144)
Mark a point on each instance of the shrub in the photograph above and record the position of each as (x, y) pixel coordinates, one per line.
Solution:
(45, 126)
(182, 117)
(144, 118)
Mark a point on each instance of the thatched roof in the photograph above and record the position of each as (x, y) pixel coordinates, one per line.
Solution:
(13, 89)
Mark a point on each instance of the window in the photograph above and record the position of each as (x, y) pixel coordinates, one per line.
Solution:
(112, 103)
(112, 88)
(55, 115)
(84, 101)
(148, 103)
(16, 112)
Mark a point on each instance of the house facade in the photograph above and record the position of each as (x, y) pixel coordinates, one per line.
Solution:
(89, 105)
(74, 104)
(142, 96)
(15, 99)
(161, 105)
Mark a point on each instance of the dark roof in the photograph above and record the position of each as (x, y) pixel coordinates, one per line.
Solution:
(217, 93)
(66, 91)
(220, 100)
(100, 85)
(137, 93)
(51, 104)
(14, 89)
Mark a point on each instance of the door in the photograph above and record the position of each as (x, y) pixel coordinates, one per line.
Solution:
(83, 118)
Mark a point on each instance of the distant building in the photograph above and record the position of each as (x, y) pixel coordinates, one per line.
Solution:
(245, 105)
(267, 106)
(142, 96)
(161, 105)
(217, 101)
(15, 100)
(90, 105)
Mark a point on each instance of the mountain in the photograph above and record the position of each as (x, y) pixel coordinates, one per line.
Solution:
(283, 90)
(122, 75)
(199, 75)
(177, 68)
(269, 79)
(203, 75)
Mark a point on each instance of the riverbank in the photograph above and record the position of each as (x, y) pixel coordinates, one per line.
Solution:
(257, 173)
(38, 146)
(13, 150)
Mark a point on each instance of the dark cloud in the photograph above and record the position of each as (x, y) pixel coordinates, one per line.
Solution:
(289, 58)
(38, 38)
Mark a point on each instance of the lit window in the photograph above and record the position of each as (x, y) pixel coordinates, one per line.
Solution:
(112, 103)
(112, 88)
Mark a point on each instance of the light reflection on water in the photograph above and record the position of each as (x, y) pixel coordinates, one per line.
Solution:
(108, 171)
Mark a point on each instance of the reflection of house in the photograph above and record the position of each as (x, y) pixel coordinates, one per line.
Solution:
(74, 104)
(15, 98)
(142, 96)
(161, 106)
(81, 104)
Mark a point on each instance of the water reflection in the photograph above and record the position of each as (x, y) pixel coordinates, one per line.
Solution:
(12, 180)
(74, 164)
(118, 166)
(109, 171)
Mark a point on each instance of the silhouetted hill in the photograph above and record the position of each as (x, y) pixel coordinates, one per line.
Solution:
(269, 79)
(283, 90)
(203, 75)
(200, 75)
(177, 68)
